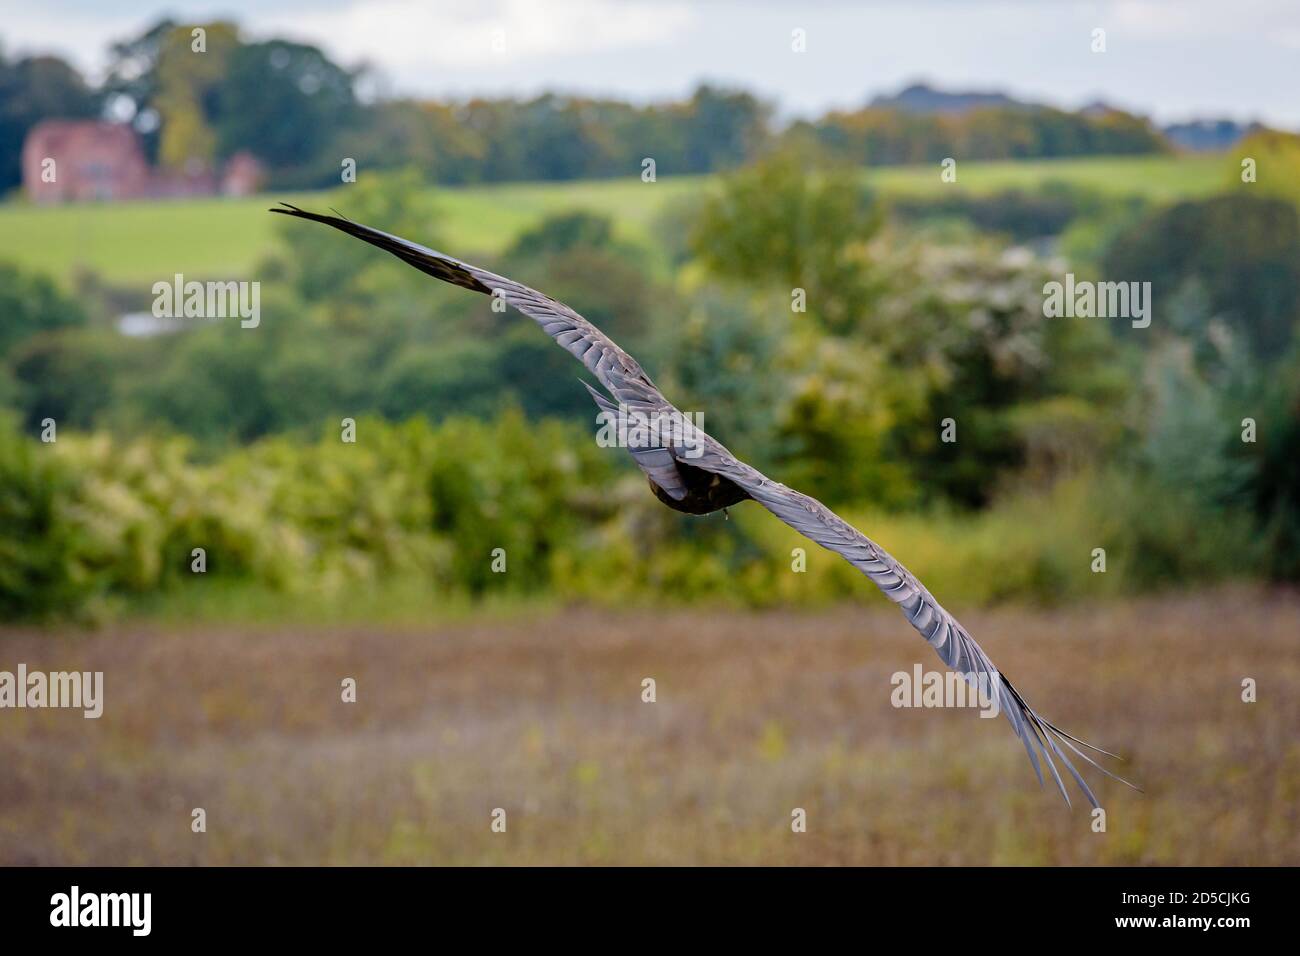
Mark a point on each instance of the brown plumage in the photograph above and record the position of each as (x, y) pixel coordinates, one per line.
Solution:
(705, 491)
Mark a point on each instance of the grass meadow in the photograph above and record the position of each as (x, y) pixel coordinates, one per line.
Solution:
(539, 712)
(139, 242)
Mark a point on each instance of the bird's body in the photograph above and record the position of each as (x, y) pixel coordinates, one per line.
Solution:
(705, 492)
(701, 476)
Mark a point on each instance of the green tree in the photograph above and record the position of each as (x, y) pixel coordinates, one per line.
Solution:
(188, 86)
(1276, 157)
(438, 380)
(132, 79)
(718, 353)
(562, 232)
(38, 536)
(68, 376)
(285, 103)
(1274, 484)
(780, 226)
(32, 89)
(724, 128)
(426, 136)
(32, 303)
(1242, 250)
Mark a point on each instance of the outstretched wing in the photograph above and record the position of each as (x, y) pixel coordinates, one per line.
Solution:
(940, 629)
(624, 379)
(615, 369)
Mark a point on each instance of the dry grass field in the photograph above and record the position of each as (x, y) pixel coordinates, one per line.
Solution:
(757, 713)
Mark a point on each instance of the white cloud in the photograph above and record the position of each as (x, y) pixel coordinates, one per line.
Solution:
(1166, 19)
(1289, 39)
(405, 35)
(1173, 58)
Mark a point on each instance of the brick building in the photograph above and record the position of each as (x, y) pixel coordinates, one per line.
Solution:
(94, 160)
(91, 160)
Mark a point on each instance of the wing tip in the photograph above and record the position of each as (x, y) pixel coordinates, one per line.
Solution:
(429, 261)
(1030, 729)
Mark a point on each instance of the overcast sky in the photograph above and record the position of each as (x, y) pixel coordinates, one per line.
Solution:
(1171, 59)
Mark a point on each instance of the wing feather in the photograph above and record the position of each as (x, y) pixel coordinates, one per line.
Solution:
(954, 645)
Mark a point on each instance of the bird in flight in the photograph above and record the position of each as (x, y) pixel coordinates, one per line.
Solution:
(706, 477)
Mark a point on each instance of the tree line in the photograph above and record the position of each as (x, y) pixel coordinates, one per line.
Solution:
(302, 114)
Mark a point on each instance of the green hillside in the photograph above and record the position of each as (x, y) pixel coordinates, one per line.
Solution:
(145, 241)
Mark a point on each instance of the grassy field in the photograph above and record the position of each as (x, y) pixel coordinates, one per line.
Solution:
(1158, 177)
(756, 714)
(219, 238)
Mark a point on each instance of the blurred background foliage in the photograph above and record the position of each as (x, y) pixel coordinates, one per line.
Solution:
(297, 111)
(473, 432)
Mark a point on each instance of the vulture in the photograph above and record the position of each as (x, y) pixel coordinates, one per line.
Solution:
(706, 477)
